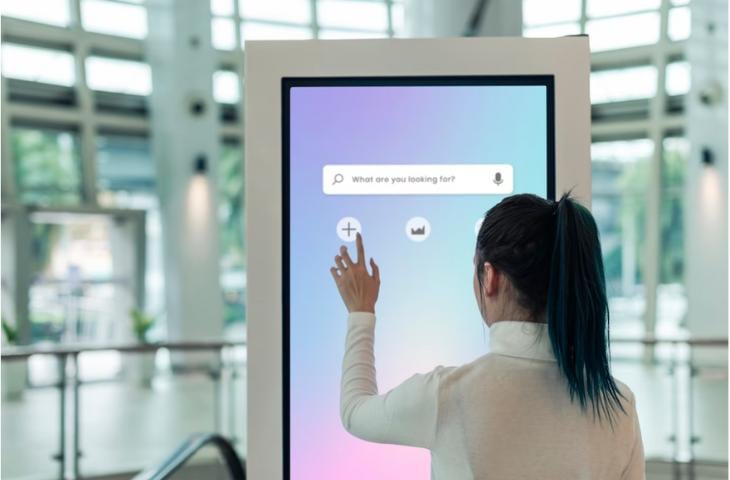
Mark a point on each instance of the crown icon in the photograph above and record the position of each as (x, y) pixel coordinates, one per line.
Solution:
(419, 231)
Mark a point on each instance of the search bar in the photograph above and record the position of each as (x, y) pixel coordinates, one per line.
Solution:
(417, 179)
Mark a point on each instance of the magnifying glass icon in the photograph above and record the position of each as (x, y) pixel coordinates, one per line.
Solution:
(339, 178)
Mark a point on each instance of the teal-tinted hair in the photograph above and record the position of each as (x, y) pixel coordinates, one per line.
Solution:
(551, 253)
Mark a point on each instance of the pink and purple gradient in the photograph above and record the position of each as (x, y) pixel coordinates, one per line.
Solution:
(427, 314)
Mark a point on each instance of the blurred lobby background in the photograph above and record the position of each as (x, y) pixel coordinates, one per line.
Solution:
(112, 371)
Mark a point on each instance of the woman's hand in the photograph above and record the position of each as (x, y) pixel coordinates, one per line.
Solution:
(358, 289)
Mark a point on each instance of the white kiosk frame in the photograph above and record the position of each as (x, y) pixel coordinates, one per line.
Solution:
(267, 63)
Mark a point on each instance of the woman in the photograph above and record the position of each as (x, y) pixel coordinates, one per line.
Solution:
(542, 404)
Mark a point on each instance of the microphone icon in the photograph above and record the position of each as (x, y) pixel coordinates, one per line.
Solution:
(498, 179)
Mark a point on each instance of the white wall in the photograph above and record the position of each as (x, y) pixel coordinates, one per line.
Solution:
(706, 228)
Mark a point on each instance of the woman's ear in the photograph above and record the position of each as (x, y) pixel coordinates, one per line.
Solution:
(491, 280)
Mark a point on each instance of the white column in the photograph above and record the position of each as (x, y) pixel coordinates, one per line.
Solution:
(441, 18)
(185, 140)
(706, 214)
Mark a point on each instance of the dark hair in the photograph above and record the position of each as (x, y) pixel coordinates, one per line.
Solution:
(551, 253)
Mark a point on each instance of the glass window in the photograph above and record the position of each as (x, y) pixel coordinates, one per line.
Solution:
(678, 79)
(397, 17)
(225, 87)
(353, 14)
(223, 8)
(296, 11)
(124, 163)
(126, 178)
(680, 24)
(671, 294)
(122, 76)
(54, 12)
(550, 31)
(623, 32)
(538, 12)
(38, 64)
(114, 18)
(223, 31)
(623, 84)
(47, 165)
(231, 217)
(603, 8)
(268, 31)
(334, 34)
(620, 177)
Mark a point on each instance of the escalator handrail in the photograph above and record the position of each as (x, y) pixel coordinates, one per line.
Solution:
(190, 447)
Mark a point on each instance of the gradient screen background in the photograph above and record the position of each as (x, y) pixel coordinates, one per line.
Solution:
(427, 314)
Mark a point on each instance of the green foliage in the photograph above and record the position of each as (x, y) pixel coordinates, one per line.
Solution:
(11, 333)
(141, 323)
(47, 166)
(230, 188)
(633, 184)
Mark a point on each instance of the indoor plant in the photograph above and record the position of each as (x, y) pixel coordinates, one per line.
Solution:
(14, 372)
(142, 364)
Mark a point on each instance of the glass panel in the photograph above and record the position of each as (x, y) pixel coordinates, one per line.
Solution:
(538, 12)
(397, 16)
(620, 177)
(333, 34)
(602, 8)
(623, 32)
(230, 213)
(680, 23)
(126, 179)
(47, 166)
(297, 11)
(38, 64)
(223, 31)
(710, 400)
(353, 14)
(222, 7)
(54, 12)
(623, 84)
(122, 76)
(678, 78)
(114, 18)
(266, 31)
(671, 293)
(549, 31)
(226, 87)
(30, 428)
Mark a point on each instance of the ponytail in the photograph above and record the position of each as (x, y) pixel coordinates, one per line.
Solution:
(577, 309)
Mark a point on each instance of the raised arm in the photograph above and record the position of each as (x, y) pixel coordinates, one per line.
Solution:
(406, 415)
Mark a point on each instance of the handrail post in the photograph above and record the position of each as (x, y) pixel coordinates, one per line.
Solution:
(61, 455)
(75, 416)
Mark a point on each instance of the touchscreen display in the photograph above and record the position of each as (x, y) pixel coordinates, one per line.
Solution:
(413, 164)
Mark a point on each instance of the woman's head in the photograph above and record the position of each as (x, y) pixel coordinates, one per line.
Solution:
(540, 260)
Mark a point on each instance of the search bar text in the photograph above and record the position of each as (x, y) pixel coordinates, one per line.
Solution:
(472, 179)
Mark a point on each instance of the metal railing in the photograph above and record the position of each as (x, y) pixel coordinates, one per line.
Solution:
(68, 356)
(673, 356)
(177, 459)
(684, 361)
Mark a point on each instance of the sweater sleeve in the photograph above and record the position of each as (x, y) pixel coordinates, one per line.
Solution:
(406, 415)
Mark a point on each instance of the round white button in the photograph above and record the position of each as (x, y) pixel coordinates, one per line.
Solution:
(348, 228)
(418, 229)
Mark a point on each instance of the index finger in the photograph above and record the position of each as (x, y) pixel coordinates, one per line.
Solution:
(360, 249)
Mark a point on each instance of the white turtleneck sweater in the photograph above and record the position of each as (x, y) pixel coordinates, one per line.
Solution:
(506, 415)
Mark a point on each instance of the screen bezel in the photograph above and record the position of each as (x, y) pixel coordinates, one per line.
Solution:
(287, 83)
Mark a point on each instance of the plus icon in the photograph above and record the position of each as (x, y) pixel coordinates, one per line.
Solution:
(347, 227)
